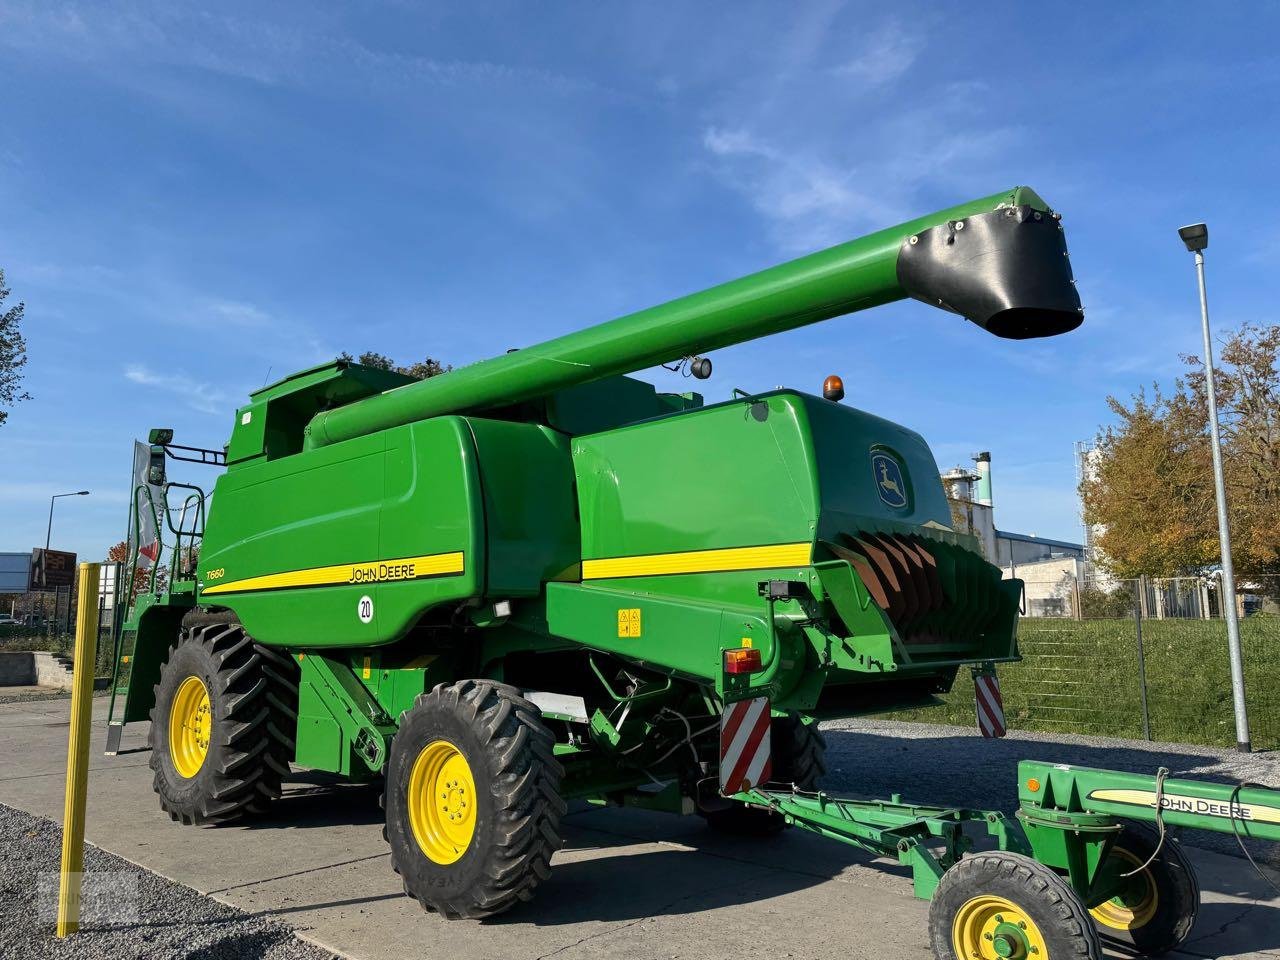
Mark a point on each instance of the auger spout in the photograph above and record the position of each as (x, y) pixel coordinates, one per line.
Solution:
(1000, 261)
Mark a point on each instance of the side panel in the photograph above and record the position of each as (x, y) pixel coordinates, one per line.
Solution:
(872, 469)
(530, 511)
(296, 546)
(733, 477)
(432, 507)
(682, 517)
(272, 519)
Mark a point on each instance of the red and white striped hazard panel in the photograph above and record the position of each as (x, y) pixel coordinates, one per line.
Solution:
(990, 705)
(745, 747)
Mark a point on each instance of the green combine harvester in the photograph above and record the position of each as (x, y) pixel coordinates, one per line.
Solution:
(535, 579)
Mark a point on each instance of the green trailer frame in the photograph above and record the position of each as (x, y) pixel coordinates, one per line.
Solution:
(1068, 818)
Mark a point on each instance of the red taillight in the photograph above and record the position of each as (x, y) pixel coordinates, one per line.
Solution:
(742, 660)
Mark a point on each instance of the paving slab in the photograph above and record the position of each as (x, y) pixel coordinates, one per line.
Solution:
(627, 884)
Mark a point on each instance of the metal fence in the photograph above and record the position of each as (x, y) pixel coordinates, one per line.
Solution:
(1140, 658)
(1171, 598)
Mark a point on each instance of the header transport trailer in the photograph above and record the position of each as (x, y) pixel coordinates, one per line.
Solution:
(534, 579)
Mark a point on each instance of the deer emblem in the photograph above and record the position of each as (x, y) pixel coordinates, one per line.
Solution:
(889, 482)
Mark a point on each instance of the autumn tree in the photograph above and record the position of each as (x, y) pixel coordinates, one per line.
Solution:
(1149, 485)
(13, 353)
(142, 575)
(424, 368)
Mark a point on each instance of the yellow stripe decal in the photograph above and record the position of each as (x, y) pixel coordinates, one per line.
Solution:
(700, 561)
(374, 571)
(1180, 804)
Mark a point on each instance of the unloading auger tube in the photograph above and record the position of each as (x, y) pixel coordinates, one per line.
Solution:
(1000, 261)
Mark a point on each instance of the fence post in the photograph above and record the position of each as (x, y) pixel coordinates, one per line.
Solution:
(1142, 658)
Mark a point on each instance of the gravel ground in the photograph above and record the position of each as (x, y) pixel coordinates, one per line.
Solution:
(32, 694)
(168, 920)
(954, 766)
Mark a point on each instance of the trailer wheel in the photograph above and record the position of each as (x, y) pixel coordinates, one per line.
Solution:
(1004, 906)
(799, 757)
(1158, 905)
(222, 725)
(472, 799)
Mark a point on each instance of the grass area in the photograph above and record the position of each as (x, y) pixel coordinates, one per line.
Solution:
(1081, 676)
(33, 638)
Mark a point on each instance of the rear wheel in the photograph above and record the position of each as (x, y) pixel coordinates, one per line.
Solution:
(1157, 906)
(222, 725)
(1004, 906)
(472, 799)
(798, 750)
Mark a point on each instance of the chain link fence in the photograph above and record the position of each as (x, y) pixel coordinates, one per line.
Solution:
(1142, 658)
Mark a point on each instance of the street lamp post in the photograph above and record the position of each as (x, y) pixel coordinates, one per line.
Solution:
(48, 534)
(1196, 238)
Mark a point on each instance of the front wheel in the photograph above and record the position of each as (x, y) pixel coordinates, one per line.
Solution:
(472, 799)
(1155, 908)
(1004, 906)
(222, 726)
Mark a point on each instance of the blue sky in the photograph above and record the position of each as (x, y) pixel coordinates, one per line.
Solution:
(196, 198)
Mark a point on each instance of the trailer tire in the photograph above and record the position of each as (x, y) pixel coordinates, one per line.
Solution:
(222, 726)
(799, 758)
(472, 799)
(1156, 914)
(995, 904)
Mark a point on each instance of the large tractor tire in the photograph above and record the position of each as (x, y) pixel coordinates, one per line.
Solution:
(223, 724)
(472, 799)
(1157, 908)
(1004, 906)
(799, 757)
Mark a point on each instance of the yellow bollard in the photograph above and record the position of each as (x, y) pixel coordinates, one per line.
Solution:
(78, 751)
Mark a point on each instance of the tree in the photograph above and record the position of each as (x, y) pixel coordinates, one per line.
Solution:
(1149, 486)
(141, 576)
(424, 368)
(13, 353)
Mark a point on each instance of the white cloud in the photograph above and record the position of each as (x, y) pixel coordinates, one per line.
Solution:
(811, 201)
(889, 53)
(199, 396)
(292, 53)
(240, 313)
(728, 143)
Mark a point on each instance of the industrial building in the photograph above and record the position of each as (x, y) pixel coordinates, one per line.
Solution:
(1051, 568)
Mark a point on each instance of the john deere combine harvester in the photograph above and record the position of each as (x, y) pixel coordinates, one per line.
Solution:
(535, 579)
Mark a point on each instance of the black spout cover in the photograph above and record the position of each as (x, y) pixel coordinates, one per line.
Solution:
(1006, 270)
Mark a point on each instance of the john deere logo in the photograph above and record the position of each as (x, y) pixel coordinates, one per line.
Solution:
(889, 482)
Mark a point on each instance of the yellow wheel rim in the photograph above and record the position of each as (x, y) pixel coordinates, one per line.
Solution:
(1136, 904)
(442, 802)
(993, 928)
(190, 725)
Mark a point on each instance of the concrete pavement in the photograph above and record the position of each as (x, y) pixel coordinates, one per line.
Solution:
(626, 884)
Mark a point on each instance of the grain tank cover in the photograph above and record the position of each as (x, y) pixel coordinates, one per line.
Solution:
(1006, 270)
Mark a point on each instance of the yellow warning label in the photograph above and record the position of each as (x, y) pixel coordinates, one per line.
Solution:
(368, 667)
(629, 622)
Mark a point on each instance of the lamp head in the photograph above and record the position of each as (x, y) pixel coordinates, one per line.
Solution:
(1195, 236)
